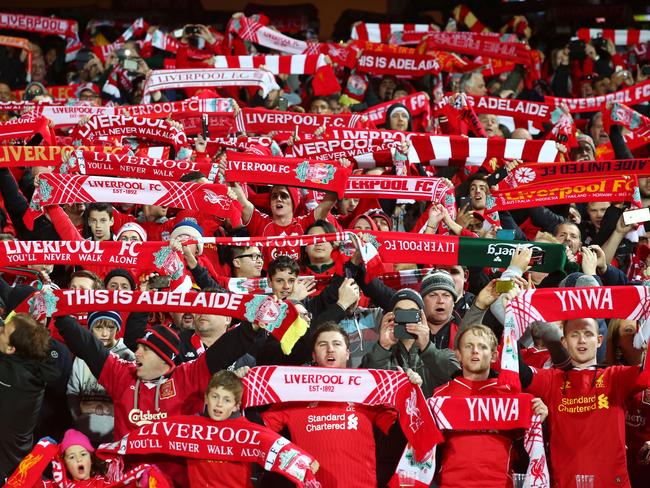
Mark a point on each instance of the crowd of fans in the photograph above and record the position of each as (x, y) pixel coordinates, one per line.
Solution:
(71, 383)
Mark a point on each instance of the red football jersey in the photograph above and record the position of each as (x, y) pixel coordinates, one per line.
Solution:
(474, 459)
(338, 435)
(587, 422)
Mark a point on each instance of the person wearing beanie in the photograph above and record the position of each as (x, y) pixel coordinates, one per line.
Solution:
(151, 387)
(90, 405)
(79, 460)
(186, 229)
(438, 292)
(283, 219)
(417, 352)
(131, 231)
(398, 117)
(119, 279)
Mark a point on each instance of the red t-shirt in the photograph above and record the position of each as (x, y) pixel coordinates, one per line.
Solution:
(587, 421)
(261, 225)
(489, 451)
(338, 435)
(204, 473)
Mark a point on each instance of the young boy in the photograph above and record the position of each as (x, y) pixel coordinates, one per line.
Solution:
(222, 402)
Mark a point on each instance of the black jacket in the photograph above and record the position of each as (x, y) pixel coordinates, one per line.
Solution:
(22, 387)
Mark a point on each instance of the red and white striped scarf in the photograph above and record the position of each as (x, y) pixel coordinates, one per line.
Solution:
(297, 64)
(210, 77)
(68, 29)
(620, 37)
(382, 32)
(397, 187)
(475, 150)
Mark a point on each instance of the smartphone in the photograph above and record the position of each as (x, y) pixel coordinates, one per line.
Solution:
(160, 281)
(204, 126)
(506, 234)
(504, 286)
(403, 317)
(636, 216)
(178, 33)
(130, 65)
(192, 30)
(283, 103)
(464, 201)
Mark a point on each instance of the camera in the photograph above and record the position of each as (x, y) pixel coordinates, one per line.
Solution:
(577, 49)
(403, 317)
(192, 30)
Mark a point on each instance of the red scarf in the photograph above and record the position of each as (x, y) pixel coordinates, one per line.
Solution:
(262, 121)
(19, 43)
(381, 186)
(439, 149)
(382, 32)
(316, 175)
(67, 29)
(273, 384)
(397, 64)
(193, 105)
(535, 111)
(559, 192)
(280, 319)
(25, 127)
(56, 189)
(632, 95)
(331, 149)
(232, 440)
(15, 156)
(125, 126)
(620, 37)
(479, 44)
(535, 173)
(96, 163)
(152, 256)
(165, 79)
(630, 119)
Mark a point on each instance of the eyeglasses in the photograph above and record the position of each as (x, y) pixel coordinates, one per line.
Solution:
(254, 256)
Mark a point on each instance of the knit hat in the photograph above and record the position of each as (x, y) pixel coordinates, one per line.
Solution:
(406, 294)
(122, 273)
(438, 279)
(87, 87)
(586, 139)
(75, 438)
(399, 107)
(133, 227)
(163, 341)
(189, 227)
(577, 280)
(105, 315)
